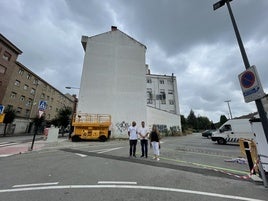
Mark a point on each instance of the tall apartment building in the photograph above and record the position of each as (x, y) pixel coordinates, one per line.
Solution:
(114, 82)
(21, 89)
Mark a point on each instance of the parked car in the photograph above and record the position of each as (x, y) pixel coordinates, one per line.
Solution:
(207, 133)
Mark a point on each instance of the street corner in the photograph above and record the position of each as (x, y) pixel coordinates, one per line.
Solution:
(19, 149)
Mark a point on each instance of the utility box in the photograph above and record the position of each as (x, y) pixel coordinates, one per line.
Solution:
(52, 135)
(261, 142)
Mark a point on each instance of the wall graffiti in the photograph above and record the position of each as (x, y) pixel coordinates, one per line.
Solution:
(122, 126)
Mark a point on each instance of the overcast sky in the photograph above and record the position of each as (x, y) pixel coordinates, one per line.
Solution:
(184, 37)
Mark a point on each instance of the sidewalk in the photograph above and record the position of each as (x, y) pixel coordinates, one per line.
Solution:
(12, 148)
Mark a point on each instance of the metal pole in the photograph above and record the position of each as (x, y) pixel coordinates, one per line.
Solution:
(227, 101)
(258, 102)
(259, 105)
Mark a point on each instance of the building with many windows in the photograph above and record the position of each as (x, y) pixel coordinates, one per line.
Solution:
(21, 89)
(162, 92)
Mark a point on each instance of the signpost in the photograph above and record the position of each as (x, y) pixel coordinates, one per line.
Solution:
(2, 115)
(251, 85)
(250, 82)
(42, 106)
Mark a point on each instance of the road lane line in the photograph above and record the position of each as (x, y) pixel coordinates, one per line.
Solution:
(82, 155)
(100, 151)
(38, 184)
(117, 182)
(204, 165)
(176, 190)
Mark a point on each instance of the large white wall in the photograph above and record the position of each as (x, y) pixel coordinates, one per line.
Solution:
(113, 80)
(160, 117)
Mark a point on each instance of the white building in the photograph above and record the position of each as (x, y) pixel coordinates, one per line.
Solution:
(114, 82)
(162, 101)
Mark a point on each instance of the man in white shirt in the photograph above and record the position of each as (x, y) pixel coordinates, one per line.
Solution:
(133, 138)
(144, 133)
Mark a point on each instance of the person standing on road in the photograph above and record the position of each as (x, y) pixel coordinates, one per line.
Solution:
(133, 138)
(155, 142)
(144, 133)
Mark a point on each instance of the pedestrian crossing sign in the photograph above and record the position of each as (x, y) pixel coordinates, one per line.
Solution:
(42, 105)
(2, 109)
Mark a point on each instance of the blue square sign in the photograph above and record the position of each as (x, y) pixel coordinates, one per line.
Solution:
(2, 108)
(42, 105)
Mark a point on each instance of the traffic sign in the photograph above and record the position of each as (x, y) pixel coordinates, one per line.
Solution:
(42, 105)
(2, 108)
(251, 85)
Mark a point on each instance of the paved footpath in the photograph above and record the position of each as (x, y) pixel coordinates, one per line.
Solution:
(17, 145)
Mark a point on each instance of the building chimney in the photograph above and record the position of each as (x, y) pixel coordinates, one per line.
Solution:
(113, 28)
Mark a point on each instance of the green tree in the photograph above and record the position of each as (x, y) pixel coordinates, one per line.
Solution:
(63, 118)
(203, 123)
(10, 115)
(223, 119)
(184, 125)
(191, 120)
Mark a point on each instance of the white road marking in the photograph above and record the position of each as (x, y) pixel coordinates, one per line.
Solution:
(5, 155)
(117, 182)
(4, 144)
(82, 155)
(100, 151)
(129, 187)
(39, 184)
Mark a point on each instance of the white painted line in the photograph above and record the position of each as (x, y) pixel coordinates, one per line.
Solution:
(7, 144)
(108, 150)
(117, 182)
(233, 197)
(40, 184)
(82, 155)
(5, 155)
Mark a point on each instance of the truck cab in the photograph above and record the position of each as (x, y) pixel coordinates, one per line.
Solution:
(232, 130)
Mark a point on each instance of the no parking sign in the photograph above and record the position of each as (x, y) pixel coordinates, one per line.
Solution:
(251, 85)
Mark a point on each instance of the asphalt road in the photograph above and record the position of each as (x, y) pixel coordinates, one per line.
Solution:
(190, 168)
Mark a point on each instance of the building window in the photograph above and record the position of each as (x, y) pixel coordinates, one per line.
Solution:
(7, 56)
(35, 81)
(2, 69)
(25, 87)
(29, 102)
(27, 113)
(21, 71)
(171, 102)
(28, 76)
(149, 96)
(42, 95)
(22, 98)
(48, 98)
(13, 95)
(162, 96)
(52, 99)
(19, 109)
(149, 80)
(161, 81)
(17, 83)
(170, 92)
(33, 91)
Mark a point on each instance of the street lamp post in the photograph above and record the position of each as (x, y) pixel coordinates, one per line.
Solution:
(227, 101)
(74, 110)
(258, 102)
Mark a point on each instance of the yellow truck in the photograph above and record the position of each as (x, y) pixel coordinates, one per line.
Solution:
(91, 127)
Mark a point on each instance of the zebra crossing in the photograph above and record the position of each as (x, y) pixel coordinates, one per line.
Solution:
(9, 148)
(5, 144)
